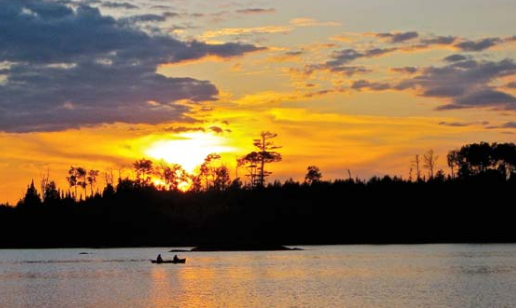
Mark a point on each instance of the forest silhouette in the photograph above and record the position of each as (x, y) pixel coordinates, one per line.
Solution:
(163, 205)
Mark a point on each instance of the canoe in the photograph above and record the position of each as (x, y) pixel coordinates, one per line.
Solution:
(169, 261)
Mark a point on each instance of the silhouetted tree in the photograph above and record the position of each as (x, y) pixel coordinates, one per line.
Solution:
(251, 162)
(92, 179)
(109, 177)
(475, 158)
(51, 194)
(236, 184)
(429, 162)
(109, 191)
(82, 172)
(504, 158)
(416, 163)
(208, 169)
(267, 154)
(45, 179)
(172, 176)
(196, 183)
(313, 175)
(453, 160)
(481, 158)
(144, 170)
(32, 199)
(255, 161)
(222, 179)
(76, 178)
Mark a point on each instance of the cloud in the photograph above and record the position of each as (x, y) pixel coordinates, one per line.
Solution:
(310, 22)
(464, 84)
(509, 125)
(272, 29)
(398, 37)
(455, 58)
(119, 5)
(341, 69)
(506, 125)
(255, 11)
(405, 70)
(347, 56)
(414, 41)
(439, 40)
(246, 31)
(182, 129)
(49, 99)
(146, 18)
(484, 98)
(455, 124)
(288, 56)
(70, 68)
(467, 84)
(374, 86)
(511, 85)
(217, 129)
(478, 45)
(340, 60)
(294, 53)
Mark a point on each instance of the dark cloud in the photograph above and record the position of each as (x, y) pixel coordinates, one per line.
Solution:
(506, 125)
(340, 60)
(182, 129)
(69, 68)
(484, 98)
(405, 70)
(341, 69)
(346, 56)
(252, 11)
(145, 18)
(171, 14)
(217, 129)
(294, 53)
(439, 40)
(511, 85)
(509, 125)
(161, 7)
(47, 99)
(399, 37)
(479, 45)
(375, 86)
(466, 84)
(377, 52)
(455, 124)
(119, 5)
(455, 58)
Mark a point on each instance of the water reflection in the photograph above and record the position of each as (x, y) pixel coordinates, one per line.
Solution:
(439, 276)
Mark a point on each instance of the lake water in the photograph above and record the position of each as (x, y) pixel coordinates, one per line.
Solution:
(430, 276)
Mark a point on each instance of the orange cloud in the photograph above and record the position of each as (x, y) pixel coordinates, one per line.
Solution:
(310, 22)
(245, 31)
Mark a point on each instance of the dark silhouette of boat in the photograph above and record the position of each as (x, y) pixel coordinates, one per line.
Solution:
(178, 261)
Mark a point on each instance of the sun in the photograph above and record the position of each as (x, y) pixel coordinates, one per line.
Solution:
(189, 150)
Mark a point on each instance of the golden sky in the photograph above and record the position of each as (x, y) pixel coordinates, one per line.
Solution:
(347, 84)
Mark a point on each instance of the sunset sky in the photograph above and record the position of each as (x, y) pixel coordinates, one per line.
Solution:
(362, 85)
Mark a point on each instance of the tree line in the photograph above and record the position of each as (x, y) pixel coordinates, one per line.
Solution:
(432, 207)
(212, 175)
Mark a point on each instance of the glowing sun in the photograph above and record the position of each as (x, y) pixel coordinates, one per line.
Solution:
(189, 150)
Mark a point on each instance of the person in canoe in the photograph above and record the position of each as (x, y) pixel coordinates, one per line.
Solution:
(176, 259)
(159, 259)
